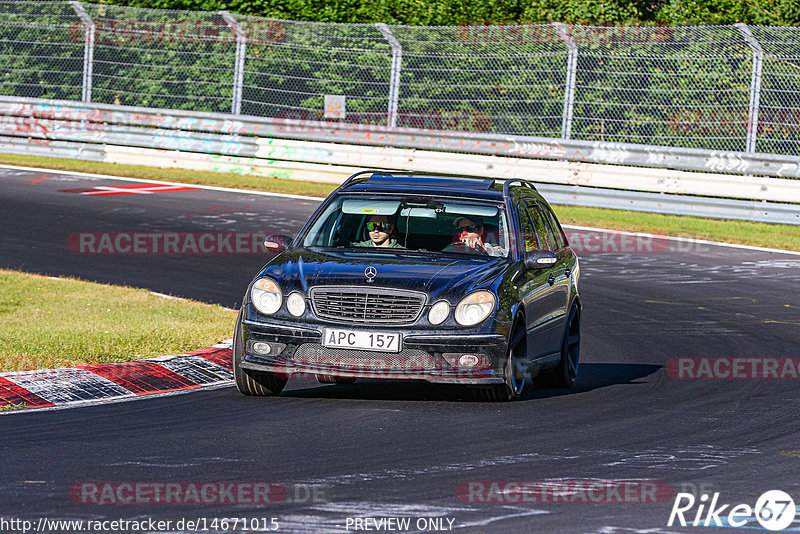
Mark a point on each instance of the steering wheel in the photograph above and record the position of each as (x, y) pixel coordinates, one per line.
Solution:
(462, 248)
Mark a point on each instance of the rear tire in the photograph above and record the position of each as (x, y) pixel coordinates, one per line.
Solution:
(514, 371)
(249, 382)
(565, 374)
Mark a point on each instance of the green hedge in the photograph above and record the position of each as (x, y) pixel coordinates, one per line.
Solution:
(455, 12)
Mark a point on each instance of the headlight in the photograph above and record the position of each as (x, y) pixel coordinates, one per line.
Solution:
(266, 296)
(439, 312)
(296, 304)
(474, 308)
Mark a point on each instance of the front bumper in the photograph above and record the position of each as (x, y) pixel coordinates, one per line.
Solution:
(425, 356)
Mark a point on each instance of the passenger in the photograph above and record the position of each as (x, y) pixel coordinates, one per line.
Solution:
(380, 229)
(469, 238)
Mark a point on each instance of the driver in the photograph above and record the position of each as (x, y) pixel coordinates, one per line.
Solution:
(469, 237)
(380, 229)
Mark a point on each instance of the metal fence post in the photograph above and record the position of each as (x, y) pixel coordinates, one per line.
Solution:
(569, 84)
(394, 80)
(238, 67)
(88, 50)
(755, 85)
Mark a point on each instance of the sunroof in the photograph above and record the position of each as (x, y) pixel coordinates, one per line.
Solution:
(431, 181)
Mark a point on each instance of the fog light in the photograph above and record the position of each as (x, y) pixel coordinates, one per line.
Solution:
(296, 304)
(439, 312)
(262, 348)
(468, 360)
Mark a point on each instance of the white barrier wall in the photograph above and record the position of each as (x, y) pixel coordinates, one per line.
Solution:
(607, 175)
(332, 163)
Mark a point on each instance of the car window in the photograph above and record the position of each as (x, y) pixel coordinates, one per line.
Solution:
(326, 225)
(558, 232)
(419, 223)
(540, 226)
(529, 238)
(551, 236)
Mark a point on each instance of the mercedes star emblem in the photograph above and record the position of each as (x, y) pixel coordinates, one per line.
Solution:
(370, 272)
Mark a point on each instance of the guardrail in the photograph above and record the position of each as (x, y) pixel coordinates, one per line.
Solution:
(329, 151)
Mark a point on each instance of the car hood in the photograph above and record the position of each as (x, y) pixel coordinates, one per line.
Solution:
(438, 275)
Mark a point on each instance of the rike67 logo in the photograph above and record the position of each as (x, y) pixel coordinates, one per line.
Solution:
(774, 510)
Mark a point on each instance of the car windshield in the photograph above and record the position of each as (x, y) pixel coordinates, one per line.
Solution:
(423, 224)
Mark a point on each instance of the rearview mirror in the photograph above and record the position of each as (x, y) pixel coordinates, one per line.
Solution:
(539, 259)
(277, 243)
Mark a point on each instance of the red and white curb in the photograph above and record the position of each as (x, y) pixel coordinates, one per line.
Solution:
(51, 388)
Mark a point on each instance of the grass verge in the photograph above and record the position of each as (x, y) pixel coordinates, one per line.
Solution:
(731, 231)
(64, 322)
(782, 236)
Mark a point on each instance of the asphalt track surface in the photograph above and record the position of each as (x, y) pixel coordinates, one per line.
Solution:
(386, 449)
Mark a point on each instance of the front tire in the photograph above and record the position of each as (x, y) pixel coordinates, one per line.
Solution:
(249, 382)
(515, 371)
(565, 374)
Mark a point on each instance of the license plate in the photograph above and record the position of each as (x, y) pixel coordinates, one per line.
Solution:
(355, 339)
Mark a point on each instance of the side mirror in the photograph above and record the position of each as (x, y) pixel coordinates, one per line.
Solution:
(539, 259)
(277, 243)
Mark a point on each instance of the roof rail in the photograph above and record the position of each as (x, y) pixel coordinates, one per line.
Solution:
(507, 185)
(437, 175)
(357, 175)
(353, 177)
(507, 182)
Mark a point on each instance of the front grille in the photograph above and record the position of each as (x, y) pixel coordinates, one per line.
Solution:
(367, 305)
(407, 360)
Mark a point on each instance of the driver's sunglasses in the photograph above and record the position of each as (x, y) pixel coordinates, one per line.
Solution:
(379, 226)
(469, 228)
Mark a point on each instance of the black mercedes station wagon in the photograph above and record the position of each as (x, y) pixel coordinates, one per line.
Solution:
(404, 276)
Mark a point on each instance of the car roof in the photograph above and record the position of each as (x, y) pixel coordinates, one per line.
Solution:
(413, 183)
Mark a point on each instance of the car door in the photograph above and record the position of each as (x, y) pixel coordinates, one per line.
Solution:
(535, 289)
(560, 273)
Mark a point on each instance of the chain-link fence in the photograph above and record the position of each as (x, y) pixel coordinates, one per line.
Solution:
(733, 88)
